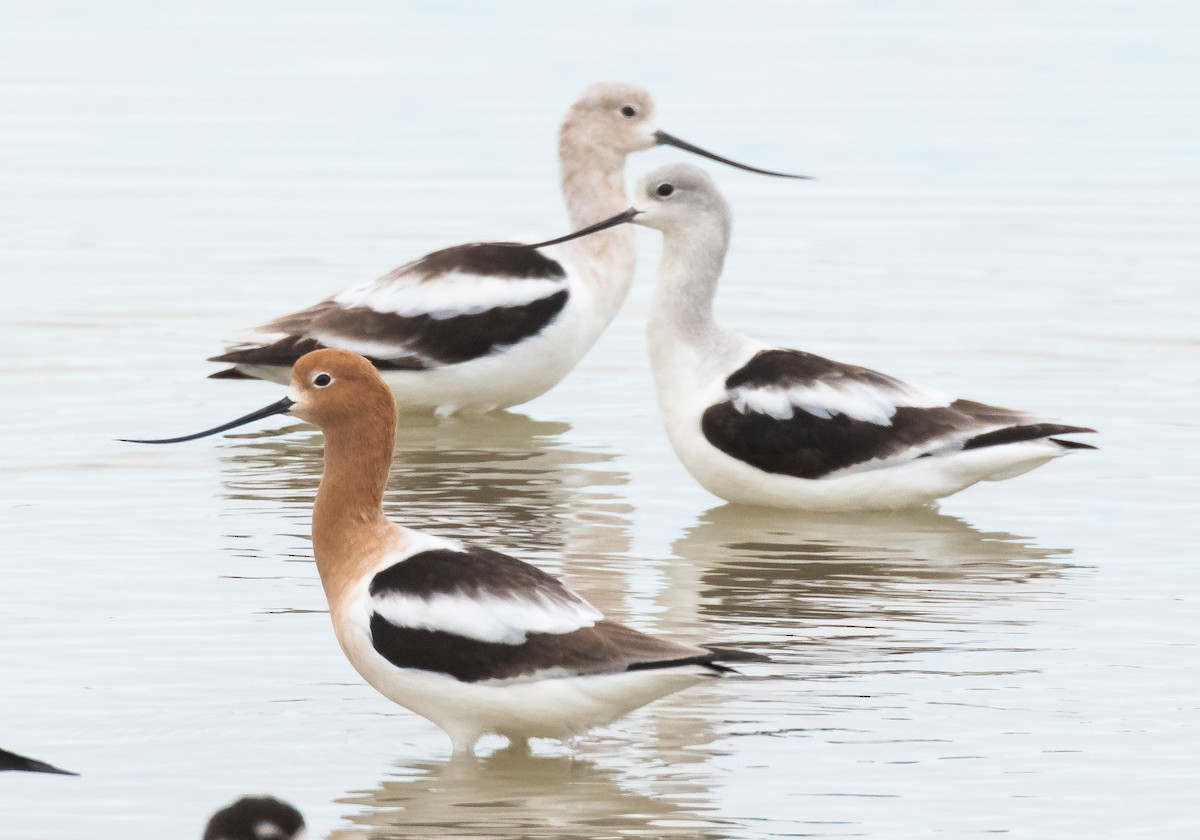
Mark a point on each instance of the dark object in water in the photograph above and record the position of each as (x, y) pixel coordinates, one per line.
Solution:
(12, 761)
(255, 818)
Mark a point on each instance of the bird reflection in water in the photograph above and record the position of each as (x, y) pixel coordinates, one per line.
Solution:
(513, 794)
(789, 578)
(857, 611)
(501, 480)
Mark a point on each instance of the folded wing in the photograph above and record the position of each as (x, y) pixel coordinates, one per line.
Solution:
(478, 615)
(446, 308)
(795, 413)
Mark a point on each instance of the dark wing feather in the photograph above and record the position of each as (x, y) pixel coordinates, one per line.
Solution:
(470, 571)
(813, 442)
(422, 340)
(1030, 431)
(476, 574)
(605, 648)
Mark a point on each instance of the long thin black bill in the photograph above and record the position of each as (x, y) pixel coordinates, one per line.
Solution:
(665, 139)
(619, 219)
(281, 407)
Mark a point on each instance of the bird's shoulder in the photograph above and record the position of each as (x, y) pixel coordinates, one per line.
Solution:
(453, 567)
(462, 280)
(504, 260)
(476, 592)
(780, 382)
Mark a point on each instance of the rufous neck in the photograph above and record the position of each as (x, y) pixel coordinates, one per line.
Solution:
(348, 524)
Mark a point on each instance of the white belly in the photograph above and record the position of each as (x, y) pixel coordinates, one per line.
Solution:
(913, 483)
(506, 377)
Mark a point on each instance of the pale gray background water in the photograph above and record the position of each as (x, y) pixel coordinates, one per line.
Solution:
(1008, 208)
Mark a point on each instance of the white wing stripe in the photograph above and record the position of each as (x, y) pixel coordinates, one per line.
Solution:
(486, 618)
(449, 296)
(372, 349)
(856, 400)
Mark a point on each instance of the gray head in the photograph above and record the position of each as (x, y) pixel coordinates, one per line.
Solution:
(676, 199)
(679, 196)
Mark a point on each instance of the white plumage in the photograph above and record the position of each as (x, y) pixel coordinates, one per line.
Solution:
(784, 428)
(483, 326)
(503, 649)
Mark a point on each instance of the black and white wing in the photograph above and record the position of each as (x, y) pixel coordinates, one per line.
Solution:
(477, 615)
(448, 307)
(795, 413)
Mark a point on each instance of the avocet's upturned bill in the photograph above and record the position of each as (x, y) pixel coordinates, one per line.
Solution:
(476, 641)
(484, 326)
(771, 426)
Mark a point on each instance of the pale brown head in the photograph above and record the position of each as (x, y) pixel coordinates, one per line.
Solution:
(334, 389)
(618, 118)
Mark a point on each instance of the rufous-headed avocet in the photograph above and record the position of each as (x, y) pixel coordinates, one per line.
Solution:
(476, 641)
(481, 326)
(763, 425)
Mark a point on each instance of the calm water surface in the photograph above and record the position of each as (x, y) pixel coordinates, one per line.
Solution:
(1007, 209)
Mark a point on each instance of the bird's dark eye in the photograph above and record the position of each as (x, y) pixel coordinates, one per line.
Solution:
(322, 379)
(665, 190)
(629, 111)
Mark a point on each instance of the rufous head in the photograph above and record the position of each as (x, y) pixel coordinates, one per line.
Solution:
(330, 388)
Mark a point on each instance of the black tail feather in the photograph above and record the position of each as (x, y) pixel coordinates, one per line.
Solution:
(1030, 431)
(230, 373)
(1073, 444)
(714, 659)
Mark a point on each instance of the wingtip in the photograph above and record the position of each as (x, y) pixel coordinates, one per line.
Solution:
(713, 659)
(719, 658)
(1025, 432)
(720, 654)
(228, 373)
(1073, 444)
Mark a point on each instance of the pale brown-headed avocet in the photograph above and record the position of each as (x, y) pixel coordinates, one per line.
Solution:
(480, 326)
(770, 426)
(476, 641)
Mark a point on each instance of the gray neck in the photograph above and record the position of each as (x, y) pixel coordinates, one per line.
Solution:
(692, 260)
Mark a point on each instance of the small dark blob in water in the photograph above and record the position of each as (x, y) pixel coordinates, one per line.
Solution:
(255, 818)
